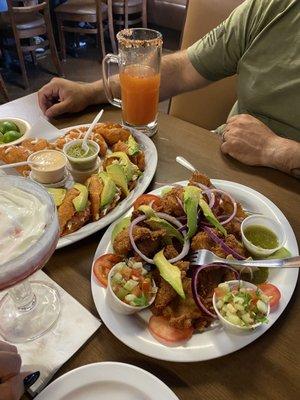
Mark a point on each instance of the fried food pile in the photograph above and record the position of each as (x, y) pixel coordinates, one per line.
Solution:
(82, 204)
(181, 312)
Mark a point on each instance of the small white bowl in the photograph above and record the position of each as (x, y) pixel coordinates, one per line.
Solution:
(81, 176)
(24, 127)
(232, 327)
(83, 163)
(54, 173)
(269, 223)
(118, 305)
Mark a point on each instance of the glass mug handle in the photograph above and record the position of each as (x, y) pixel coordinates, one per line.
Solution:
(110, 58)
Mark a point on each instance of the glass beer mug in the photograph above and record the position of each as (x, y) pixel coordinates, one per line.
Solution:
(139, 62)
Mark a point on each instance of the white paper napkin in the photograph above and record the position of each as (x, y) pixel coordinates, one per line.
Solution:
(48, 353)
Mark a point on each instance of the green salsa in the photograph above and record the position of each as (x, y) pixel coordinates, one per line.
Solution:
(77, 151)
(261, 236)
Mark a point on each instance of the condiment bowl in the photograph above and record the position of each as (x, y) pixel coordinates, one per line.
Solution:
(228, 325)
(48, 172)
(118, 305)
(81, 176)
(82, 163)
(269, 223)
(23, 126)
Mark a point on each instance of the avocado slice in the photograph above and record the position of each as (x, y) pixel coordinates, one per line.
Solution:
(80, 202)
(116, 173)
(109, 189)
(119, 227)
(159, 223)
(57, 195)
(147, 210)
(209, 215)
(279, 254)
(190, 203)
(169, 273)
(133, 147)
(130, 169)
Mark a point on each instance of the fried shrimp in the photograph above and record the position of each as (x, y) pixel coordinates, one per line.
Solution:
(14, 154)
(95, 187)
(112, 132)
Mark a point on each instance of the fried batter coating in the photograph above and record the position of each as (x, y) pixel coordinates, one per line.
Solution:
(202, 241)
(36, 144)
(67, 210)
(199, 178)
(120, 146)
(172, 203)
(148, 242)
(78, 220)
(95, 187)
(13, 154)
(112, 132)
(139, 160)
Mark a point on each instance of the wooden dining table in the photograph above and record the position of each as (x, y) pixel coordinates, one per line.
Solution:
(266, 369)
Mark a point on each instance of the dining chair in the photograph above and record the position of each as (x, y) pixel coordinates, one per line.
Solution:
(208, 107)
(3, 89)
(85, 11)
(125, 14)
(28, 19)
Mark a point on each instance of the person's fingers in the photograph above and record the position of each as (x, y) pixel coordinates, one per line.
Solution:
(47, 95)
(12, 389)
(8, 347)
(10, 364)
(58, 109)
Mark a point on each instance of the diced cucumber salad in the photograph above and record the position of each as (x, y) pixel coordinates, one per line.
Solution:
(240, 305)
(132, 283)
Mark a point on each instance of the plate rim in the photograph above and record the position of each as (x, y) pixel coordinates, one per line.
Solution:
(98, 366)
(170, 357)
(65, 240)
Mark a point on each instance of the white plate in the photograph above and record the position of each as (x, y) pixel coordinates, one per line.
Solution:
(213, 343)
(151, 162)
(107, 380)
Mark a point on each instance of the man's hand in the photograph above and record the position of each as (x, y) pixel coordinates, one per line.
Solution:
(249, 140)
(60, 96)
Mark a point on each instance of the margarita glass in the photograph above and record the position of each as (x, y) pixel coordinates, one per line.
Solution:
(28, 309)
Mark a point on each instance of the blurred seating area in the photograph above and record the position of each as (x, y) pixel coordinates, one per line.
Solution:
(40, 39)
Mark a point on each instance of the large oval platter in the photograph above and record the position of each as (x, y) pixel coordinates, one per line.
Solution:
(216, 342)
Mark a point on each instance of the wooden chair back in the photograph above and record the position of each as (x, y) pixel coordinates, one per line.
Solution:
(208, 107)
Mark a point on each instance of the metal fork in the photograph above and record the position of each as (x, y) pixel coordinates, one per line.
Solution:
(201, 257)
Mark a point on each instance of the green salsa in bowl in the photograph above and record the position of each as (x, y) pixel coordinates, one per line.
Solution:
(78, 157)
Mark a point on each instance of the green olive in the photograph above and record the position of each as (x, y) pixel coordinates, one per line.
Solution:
(10, 136)
(6, 126)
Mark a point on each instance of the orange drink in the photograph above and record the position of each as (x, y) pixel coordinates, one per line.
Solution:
(139, 60)
(139, 94)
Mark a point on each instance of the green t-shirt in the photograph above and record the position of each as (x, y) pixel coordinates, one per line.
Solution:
(260, 42)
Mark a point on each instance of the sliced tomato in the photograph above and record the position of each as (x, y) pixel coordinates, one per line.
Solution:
(272, 292)
(146, 199)
(103, 265)
(146, 286)
(168, 335)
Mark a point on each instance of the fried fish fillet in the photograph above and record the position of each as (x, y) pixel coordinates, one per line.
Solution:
(14, 154)
(95, 187)
(112, 132)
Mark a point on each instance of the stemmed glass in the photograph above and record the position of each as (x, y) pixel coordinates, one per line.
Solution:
(29, 309)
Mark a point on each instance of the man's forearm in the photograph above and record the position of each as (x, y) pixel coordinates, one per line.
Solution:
(177, 76)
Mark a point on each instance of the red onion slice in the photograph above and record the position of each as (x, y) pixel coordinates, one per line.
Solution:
(172, 220)
(195, 277)
(221, 242)
(233, 214)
